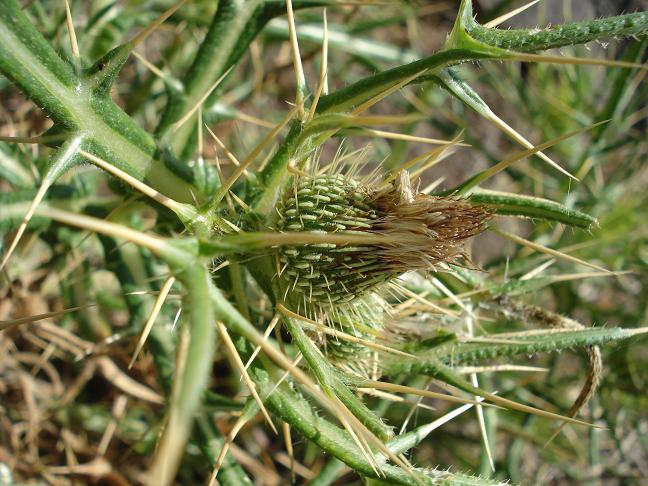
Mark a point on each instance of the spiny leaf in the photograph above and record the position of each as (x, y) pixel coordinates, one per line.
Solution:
(532, 207)
(457, 352)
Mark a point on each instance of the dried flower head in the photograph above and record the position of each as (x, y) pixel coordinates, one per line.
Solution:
(420, 231)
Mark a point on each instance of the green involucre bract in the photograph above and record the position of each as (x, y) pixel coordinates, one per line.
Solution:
(419, 231)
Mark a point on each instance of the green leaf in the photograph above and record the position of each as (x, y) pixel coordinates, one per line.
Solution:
(346, 99)
(29, 61)
(296, 411)
(532, 207)
(12, 168)
(550, 340)
(560, 35)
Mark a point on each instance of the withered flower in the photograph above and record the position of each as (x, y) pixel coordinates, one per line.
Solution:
(420, 232)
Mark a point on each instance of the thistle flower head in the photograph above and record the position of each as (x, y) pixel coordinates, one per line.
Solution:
(419, 232)
(424, 230)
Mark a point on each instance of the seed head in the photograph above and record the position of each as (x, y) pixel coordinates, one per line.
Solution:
(419, 231)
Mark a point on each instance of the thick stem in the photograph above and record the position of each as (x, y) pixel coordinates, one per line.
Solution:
(32, 64)
(190, 384)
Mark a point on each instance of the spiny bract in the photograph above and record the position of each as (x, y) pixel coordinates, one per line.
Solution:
(417, 232)
(362, 319)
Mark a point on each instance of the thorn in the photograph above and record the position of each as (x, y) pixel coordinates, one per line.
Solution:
(502, 125)
(381, 385)
(266, 335)
(118, 409)
(202, 99)
(242, 420)
(176, 319)
(199, 128)
(576, 60)
(185, 211)
(427, 429)
(229, 344)
(433, 185)
(393, 398)
(223, 147)
(341, 335)
(8, 324)
(289, 449)
(413, 295)
(294, 170)
(543, 249)
(430, 155)
(410, 138)
(500, 166)
(446, 150)
(240, 202)
(369, 120)
(223, 190)
(42, 190)
(300, 79)
(566, 277)
(502, 367)
(76, 56)
(244, 117)
(478, 408)
(164, 291)
(333, 404)
(150, 66)
(221, 266)
(153, 243)
(36, 139)
(538, 270)
(322, 87)
(135, 41)
(294, 364)
(448, 293)
(503, 18)
(453, 382)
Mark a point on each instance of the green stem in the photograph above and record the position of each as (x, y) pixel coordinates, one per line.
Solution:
(30, 62)
(189, 386)
(329, 380)
(296, 411)
(475, 352)
(572, 33)
(346, 99)
(225, 41)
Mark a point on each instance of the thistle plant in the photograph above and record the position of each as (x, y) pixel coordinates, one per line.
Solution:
(172, 294)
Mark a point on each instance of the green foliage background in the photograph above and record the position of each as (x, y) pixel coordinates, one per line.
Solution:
(72, 412)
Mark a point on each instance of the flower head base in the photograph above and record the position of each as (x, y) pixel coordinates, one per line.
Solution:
(419, 231)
